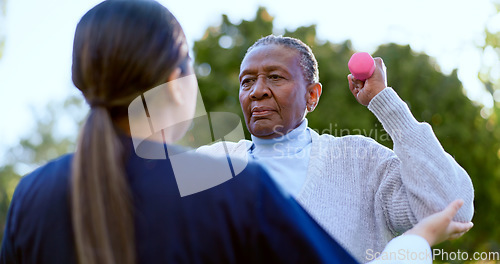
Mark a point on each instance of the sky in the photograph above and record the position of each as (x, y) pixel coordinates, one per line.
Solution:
(36, 64)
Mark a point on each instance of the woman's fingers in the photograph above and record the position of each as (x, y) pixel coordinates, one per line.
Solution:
(351, 82)
(455, 236)
(439, 227)
(452, 209)
(356, 86)
(381, 76)
(457, 229)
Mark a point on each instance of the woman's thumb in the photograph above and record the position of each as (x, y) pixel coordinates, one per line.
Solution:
(453, 207)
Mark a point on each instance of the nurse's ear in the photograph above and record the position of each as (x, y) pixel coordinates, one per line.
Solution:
(175, 90)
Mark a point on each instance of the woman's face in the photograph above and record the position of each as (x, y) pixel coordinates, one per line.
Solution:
(273, 92)
(168, 108)
(184, 107)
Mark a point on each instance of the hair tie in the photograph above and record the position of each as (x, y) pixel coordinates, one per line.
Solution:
(98, 103)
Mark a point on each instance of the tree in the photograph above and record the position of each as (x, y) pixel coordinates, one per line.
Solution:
(35, 149)
(491, 57)
(432, 96)
(8, 182)
(3, 4)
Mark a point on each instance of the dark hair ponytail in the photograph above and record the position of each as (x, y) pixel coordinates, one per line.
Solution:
(121, 49)
(102, 208)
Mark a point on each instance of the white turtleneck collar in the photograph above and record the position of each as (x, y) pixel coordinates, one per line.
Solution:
(286, 157)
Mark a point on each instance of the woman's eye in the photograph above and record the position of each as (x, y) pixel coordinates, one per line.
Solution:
(274, 77)
(246, 82)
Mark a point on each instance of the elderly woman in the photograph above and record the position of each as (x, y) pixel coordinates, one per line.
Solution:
(361, 192)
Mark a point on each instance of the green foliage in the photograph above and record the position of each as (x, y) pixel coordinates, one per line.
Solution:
(8, 181)
(3, 4)
(433, 97)
(491, 52)
(35, 149)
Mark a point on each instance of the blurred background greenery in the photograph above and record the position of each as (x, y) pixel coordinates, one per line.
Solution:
(467, 130)
(2, 18)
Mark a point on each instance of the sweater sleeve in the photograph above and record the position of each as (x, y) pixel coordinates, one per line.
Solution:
(423, 178)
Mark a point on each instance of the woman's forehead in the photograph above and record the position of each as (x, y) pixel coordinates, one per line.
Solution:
(271, 56)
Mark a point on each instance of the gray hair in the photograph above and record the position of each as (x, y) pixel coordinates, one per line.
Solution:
(308, 62)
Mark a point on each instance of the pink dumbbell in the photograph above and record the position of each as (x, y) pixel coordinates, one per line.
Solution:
(361, 65)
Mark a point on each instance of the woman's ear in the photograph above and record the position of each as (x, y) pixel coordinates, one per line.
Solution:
(173, 88)
(313, 94)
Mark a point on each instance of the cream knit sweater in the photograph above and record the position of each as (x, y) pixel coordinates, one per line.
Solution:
(363, 193)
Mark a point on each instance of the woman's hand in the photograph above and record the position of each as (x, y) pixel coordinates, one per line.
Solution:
(439, 227)
(364, 91)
